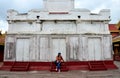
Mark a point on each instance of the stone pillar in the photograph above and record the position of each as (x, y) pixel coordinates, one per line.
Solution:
(39, 24)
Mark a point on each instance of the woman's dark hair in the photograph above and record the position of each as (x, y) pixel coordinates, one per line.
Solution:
(59, 54)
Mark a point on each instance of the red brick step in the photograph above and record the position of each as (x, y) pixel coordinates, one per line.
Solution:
(20, 66)
(97, 65)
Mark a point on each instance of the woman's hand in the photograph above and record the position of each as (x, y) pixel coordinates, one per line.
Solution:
(62, 60)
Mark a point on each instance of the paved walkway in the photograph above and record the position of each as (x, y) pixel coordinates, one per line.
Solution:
(69, 74)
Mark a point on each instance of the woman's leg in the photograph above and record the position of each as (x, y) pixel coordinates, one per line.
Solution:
(56, 63)
(58, 66)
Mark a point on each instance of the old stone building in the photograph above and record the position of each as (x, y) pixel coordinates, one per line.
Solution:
(37, 36)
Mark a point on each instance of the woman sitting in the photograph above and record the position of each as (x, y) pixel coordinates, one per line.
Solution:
(58, 62)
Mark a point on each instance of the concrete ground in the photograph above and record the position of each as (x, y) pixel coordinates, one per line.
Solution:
(70, 74)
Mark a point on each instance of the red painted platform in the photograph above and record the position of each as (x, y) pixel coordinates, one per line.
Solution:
(97, 65)
(20, 66)
(70, 65)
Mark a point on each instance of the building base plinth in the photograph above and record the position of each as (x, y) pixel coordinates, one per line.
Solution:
(46, 66)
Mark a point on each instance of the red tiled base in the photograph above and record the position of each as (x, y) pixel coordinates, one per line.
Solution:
(78, 65)
(6, 65)
(71, 65)
(97, 65)
(20, 66)
(39, 68)
(110, 65)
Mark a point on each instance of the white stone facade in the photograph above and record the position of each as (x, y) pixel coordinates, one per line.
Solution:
(40, 34)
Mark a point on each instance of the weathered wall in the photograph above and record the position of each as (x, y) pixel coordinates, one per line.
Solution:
(40, 34)
(85, 14)
(60, 27)
(23, 27)
(46, 47)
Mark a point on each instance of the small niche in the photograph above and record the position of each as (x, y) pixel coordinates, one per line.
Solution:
(37, 17)
(79, 16)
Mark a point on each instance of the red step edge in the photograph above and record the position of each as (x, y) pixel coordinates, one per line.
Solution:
(20, 66)
(97, 65)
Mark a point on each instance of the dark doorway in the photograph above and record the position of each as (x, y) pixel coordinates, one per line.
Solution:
(1, 53)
